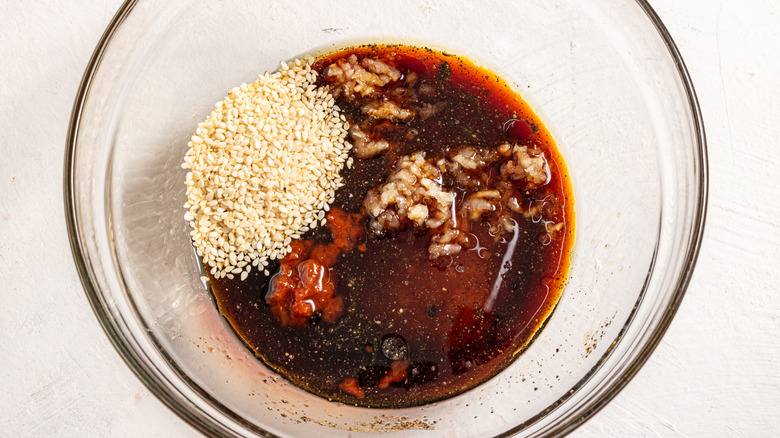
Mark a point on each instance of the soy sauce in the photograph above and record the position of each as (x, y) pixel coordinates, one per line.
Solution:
(456, 321)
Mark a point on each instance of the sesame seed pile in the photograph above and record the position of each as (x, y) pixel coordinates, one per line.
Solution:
(264, 168)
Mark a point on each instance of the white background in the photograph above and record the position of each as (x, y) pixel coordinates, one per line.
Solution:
(716, 373)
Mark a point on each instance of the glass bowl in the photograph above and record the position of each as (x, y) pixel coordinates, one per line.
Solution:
(603, 75)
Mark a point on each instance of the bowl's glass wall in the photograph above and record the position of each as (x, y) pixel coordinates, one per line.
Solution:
(599, 75)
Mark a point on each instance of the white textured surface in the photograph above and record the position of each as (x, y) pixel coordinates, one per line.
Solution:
(716, 373)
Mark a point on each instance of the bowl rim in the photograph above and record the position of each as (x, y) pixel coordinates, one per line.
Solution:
(206, 426)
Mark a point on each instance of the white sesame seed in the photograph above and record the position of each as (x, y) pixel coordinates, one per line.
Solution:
(263, 167)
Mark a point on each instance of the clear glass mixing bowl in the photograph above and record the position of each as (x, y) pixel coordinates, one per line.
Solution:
(603, 75)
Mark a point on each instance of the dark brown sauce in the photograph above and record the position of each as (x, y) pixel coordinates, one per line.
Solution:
(398, 305)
